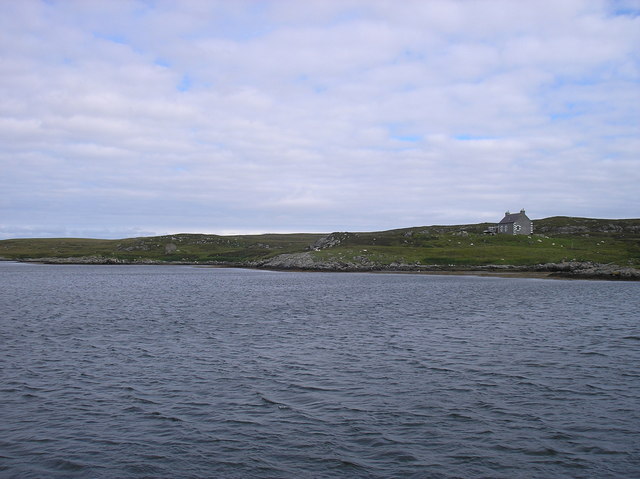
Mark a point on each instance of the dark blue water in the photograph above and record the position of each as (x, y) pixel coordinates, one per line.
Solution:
(151, 371)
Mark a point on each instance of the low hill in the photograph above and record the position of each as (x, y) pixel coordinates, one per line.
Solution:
(169, 248)
(563, 225)
(557, 240)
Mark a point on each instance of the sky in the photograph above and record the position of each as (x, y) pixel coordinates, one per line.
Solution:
(123, 118)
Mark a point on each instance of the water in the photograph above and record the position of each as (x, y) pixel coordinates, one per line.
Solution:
(152, 371)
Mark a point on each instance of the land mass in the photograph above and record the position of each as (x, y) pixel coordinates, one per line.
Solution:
(560, 246)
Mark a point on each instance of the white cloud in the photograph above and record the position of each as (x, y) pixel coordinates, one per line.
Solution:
(292, 116)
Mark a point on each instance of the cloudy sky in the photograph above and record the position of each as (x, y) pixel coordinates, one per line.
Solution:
(122, 118)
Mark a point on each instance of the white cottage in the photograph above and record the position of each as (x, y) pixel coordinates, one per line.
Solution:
(515, 224)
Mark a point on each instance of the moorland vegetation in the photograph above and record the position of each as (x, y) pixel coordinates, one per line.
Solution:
(557, 241)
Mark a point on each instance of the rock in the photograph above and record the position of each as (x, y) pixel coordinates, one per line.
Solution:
(329, 241)
(290, 261)
(588, 270)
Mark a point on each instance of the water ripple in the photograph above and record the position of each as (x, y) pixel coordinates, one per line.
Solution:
(191, 372)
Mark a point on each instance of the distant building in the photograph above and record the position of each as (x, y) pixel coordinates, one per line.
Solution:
(514, 224)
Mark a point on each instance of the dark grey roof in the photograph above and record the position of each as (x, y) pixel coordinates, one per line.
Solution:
(512, 218)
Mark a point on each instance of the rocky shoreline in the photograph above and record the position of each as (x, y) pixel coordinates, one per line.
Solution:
(577, 270)
(307, 262)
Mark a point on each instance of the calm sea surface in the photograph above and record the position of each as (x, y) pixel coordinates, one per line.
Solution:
(185, 372)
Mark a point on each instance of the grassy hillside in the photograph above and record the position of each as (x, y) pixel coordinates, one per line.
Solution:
(559, 225)
(457, 248)
(179, 247)
(557, 239)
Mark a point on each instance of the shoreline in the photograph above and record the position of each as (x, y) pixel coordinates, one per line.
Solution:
(486, 274)
(574, 271)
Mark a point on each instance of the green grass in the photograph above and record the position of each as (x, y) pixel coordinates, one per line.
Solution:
(55, 247)
(478, 249)
(179, 247)
(607, 241)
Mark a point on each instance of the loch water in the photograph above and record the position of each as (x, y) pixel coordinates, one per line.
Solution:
(188, 372)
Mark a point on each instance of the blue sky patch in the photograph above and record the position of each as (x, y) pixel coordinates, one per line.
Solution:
(468, 137)
(185, 83)
(408, 138)
(112, 37)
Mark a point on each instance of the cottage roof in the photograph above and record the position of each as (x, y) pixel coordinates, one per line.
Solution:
(512, 217)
